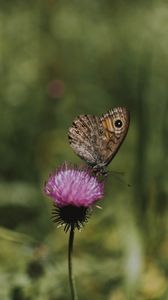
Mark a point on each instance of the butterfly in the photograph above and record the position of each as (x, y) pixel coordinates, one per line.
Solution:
(96, 139)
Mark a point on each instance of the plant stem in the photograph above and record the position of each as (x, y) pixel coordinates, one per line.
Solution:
(71, 277)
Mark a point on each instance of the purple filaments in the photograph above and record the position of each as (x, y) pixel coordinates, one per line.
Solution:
(73, 186)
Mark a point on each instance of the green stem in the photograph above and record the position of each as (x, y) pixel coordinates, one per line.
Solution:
(71, 277)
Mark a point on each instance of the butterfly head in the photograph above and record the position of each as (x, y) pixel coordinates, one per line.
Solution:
(100, 170)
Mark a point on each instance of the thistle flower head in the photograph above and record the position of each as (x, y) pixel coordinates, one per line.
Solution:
(72, 186)
(73, 191)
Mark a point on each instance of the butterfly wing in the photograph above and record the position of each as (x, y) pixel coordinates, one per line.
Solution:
(97, 140)
(116, 124)
(84, 137)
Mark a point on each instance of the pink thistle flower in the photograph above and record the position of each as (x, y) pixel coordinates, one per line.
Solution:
(73, 191)
(72, 186)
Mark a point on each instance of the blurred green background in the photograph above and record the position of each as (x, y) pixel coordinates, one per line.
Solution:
(59, 59)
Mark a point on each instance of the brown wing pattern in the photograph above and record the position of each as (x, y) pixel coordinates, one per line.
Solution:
(116, 124)
(97, 140)
(84, 137)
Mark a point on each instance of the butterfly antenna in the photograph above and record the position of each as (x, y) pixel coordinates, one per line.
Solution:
(119, 176)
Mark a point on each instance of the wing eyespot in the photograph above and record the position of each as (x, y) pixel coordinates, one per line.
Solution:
(118, 123)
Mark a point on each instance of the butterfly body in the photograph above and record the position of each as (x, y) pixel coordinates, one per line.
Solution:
(97, 139)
